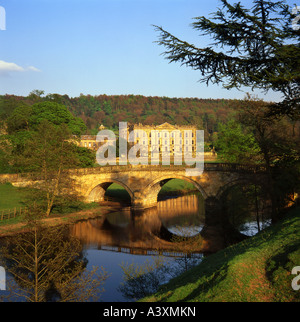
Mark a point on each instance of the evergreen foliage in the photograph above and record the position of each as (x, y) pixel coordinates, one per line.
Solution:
(255, 47)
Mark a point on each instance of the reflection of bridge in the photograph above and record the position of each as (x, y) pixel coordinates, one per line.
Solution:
(127, 232)
(145, 252)
(146, 231)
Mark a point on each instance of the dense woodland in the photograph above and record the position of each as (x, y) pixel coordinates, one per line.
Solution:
(110, 110)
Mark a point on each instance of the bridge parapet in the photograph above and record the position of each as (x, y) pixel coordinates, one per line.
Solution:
(216, 167)
(234, 167)
(230, 167)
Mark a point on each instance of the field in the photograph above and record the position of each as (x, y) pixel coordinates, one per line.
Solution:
(11, 197)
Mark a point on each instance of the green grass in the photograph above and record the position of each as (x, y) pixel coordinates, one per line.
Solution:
(10, 221)
(10, 196)
(177, 185)
(256, 270)
(117, 191)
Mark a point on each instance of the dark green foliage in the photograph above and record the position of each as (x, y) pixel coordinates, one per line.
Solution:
(26, 117)
(22, 127)
(252, 137)
(235, 144)
(110, 110)
(86, 157)
(118, 192)
(19, 119)
(68, 205)
(254, 47)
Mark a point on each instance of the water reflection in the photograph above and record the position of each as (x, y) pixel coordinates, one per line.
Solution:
(130, 237)
(145, 231)
(118, 237)
(46, 264)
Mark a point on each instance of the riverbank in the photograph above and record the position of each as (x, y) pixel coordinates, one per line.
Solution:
(255, 270)
(65, 219)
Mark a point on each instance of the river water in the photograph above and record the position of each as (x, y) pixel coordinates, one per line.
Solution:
(128, 237)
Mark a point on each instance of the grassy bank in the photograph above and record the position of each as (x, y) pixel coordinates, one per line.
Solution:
(10, 196)
(13, 198)
(177, 186)
(256, 270)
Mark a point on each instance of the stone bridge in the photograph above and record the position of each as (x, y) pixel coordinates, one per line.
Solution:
(143, 183)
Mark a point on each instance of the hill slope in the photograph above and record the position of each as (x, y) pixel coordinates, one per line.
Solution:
(110, 110)
(256, 270)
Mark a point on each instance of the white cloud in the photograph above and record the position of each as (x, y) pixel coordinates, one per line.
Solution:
(10, 67)
(6, 67)
(34, 69)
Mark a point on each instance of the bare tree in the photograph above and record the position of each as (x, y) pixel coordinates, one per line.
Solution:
(47, 265)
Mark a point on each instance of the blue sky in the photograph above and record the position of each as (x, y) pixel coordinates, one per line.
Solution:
(101, 47)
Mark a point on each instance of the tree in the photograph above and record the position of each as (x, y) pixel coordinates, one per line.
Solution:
(86, 157)
(235, 145)
(254, 47)
(48, 154)
(36, 92)
(280, 151)
(5, 156)
(19, 120)
(246, 202)
(253, 137)
(47, 265)
(25, 117)
(56, 114)
(24, 122)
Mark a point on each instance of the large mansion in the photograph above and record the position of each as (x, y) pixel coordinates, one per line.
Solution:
(167, 137)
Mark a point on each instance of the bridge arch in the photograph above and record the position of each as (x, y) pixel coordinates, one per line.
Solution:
(96, 192)
(246, 180)
(157, 183)
(148, 196)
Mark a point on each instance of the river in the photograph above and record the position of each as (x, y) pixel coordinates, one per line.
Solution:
(128, 237)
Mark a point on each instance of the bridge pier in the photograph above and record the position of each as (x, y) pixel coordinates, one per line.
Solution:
(143, 183)
(140, 202)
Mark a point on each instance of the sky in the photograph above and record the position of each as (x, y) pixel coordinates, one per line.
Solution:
(99, 47)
